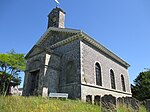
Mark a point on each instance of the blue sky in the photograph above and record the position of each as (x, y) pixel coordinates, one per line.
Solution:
(123, 26)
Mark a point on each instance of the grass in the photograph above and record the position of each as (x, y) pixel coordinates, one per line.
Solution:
(123, 108)
(39, 104)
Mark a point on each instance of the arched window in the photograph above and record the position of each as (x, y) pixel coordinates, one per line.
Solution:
(98, 74)
(112, 77)
(70, 72)
(123, 83)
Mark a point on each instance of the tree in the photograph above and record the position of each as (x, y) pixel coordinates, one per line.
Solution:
(10, 66)
(141, 89)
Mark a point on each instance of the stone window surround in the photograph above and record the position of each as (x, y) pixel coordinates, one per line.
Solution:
(123, 85)
(100, 72)
(112, 79)
(109, 74)
(95, 72)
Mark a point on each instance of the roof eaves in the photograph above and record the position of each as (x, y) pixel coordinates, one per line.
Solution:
(30, 52)
(104, 49)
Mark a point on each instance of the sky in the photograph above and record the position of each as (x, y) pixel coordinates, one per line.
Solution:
(123, 26)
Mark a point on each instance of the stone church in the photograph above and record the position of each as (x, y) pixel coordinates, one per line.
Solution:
(69, 61)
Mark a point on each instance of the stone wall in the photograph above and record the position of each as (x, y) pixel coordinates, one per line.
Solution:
(70, 52)
(49, 67)
(89, 56)
(33, 64)
(93, 90)
(52, 73)
(53, 68)
(55, 37)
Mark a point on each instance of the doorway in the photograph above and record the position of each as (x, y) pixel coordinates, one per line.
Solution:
(34, 80)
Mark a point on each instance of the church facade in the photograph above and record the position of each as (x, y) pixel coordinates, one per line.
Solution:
(69, 61)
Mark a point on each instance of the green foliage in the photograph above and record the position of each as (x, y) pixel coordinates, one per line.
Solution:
(142, 109)
(124, 108)
(141, 89)
(39, 104)
(10, 65)
(12, 62)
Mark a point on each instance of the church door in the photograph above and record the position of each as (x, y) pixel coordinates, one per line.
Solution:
(34, 83)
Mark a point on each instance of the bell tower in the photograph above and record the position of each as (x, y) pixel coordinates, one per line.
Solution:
(56, 18)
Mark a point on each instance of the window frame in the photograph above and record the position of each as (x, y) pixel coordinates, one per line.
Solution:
(98, 74)
(112, 79)
(123, 83)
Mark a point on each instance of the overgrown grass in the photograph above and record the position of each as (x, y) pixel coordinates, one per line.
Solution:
(124, 108)
(39, 104)
(142, 109)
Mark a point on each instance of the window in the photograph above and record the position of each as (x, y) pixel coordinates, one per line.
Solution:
(123, 83)
(112, 77)
(98, 74)
(70, 72)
